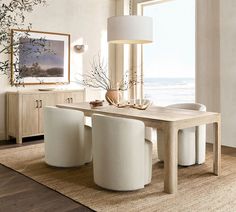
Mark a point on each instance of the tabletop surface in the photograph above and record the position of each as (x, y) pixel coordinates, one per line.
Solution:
(151, 113)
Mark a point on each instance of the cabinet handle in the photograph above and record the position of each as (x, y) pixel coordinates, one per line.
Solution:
(71, 100)
(41, 103)
(37, 103)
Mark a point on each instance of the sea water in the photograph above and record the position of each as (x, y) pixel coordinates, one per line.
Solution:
(166, 91)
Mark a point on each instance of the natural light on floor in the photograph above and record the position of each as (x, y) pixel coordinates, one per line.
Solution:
(169, 62)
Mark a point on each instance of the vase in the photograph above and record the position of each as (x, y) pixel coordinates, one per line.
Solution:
(112, 95)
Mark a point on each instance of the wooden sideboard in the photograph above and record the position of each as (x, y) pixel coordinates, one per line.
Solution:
(24, 110)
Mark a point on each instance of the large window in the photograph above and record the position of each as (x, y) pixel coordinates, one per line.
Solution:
(169, 62)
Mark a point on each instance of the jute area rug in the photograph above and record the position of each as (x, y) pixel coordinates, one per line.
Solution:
(199, 189)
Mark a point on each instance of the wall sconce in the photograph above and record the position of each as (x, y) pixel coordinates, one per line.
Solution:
(81, 48)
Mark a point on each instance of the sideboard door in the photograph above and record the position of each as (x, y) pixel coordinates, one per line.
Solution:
(63, 97)
(30, 114)
(77, 96)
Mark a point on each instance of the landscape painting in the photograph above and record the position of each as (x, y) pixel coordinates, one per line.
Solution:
(41, 58)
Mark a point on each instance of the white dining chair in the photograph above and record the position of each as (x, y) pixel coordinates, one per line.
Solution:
(91, 94)
(191, 141)
(68, 142)
(122, 159)
(150, 133)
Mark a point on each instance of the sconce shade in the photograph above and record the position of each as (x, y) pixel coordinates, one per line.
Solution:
(130, 29)
(81, 48)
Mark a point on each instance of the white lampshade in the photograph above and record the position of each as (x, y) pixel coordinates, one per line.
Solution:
(130, 29)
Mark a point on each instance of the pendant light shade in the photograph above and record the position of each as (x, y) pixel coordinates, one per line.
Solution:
(130, 29)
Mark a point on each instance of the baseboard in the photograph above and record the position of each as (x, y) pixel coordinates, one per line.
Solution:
(2, 136)
(222, 144)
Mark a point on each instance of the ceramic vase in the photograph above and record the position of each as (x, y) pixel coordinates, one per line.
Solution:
(112, 95)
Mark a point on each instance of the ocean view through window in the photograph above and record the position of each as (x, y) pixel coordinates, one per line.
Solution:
(165, 91)
(169, 62)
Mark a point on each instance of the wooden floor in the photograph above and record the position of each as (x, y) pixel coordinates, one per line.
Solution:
(20, 193)
(6, 144)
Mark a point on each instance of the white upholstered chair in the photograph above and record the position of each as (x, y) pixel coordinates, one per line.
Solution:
(122, 159)
(150, 133)
(68, 142)
(91, 94)
(191, 141)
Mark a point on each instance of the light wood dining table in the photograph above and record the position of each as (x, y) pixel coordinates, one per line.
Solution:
(169, 121)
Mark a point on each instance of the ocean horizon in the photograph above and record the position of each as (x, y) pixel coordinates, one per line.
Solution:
(166, 91)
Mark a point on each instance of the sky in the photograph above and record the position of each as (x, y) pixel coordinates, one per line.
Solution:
(172, 54)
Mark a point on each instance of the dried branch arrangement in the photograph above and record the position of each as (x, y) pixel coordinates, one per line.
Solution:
(98, 77)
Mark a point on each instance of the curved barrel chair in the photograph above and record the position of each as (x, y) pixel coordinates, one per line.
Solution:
(68, 142)
(150, 133)
(122, 159)
(92, 94)
(191, 141)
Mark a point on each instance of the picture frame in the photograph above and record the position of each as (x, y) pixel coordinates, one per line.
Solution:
(39, 57)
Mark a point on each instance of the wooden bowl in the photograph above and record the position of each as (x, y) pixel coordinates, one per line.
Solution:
(96, 103)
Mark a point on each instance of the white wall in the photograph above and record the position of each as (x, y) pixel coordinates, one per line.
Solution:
(216, 63)
(208, 56)
(85, 20)
(228, 70)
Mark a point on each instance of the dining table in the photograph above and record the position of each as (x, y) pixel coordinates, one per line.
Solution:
(169, 121)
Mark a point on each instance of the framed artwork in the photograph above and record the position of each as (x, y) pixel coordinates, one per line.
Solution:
(39, 57)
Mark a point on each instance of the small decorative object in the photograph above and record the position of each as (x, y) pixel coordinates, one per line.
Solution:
(40, 58)
(96, 103)
(98, 78)
(112, 95)
(142, 105)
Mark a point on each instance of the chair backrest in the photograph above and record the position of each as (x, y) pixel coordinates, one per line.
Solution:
(69, 120)
(189, 106)
(201, 130)
(118, 145)
(63, 128)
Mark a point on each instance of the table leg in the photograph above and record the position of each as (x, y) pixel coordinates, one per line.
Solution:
(160, 145)
(170, 160)
(217, 148)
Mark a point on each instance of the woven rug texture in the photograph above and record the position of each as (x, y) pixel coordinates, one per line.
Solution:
(198, 189)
